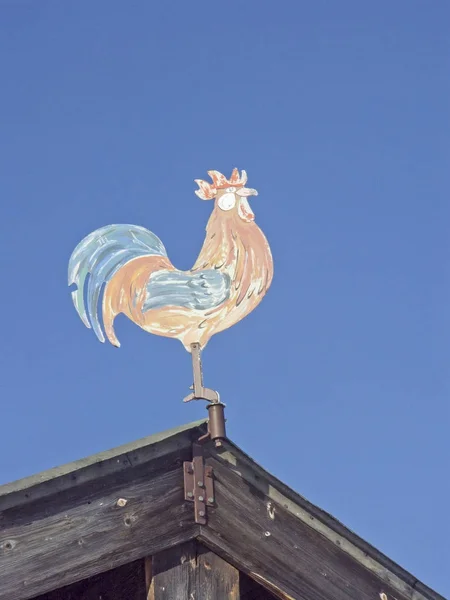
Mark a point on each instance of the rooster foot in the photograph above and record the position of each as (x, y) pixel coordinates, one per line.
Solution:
(200, 392)
(203, 394)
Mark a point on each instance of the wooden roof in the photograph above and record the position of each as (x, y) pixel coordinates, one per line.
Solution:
(75, 521)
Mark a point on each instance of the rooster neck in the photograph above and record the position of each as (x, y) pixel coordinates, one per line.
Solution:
(235, 247)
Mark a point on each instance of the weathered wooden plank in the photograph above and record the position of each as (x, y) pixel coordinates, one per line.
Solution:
(123, 583)
(90, 491)
(217, 578)
(174, 573)
(41, 550)
(192, 571)
(268, 542)
(88, 470)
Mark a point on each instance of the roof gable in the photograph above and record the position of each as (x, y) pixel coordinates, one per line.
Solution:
(128, 503)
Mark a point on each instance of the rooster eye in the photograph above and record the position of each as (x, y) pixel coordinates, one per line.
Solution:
(227, 201)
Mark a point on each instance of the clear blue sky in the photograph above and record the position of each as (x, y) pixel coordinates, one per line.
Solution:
(339, 111)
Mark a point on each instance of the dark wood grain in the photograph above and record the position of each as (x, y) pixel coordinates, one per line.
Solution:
(281, 551)
(85, 492)
(124, 583)
(216, 577)
(174, 574)
(191, 571)
(46, 549)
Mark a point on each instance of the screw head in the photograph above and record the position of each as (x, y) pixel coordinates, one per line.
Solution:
(201, 513)
(200, 484)
(210, 499)
(190, 495)
(201, 498)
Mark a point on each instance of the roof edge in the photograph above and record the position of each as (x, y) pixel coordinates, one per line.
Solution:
(325, 524)
(108, 461)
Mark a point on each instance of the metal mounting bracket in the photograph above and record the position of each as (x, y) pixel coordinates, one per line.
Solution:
(198, 484)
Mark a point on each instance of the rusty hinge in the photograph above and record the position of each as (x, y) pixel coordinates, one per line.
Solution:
(198, 484)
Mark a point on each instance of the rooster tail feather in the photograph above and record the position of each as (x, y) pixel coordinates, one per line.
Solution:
(97, 259)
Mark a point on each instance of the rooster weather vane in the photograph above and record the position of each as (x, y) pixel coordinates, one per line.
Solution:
(128, 265)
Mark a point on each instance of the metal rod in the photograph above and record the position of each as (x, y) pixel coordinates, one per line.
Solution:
(197, 368)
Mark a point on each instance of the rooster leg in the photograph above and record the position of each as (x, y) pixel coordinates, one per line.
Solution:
(200, 392)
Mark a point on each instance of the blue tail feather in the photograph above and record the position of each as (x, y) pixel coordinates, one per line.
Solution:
(100, 255)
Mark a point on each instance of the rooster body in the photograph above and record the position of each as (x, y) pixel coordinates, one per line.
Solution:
(129, 263)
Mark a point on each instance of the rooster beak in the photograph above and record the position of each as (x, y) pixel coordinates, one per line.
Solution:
(244, 192)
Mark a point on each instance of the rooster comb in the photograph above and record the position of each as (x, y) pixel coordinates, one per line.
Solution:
(208, 191)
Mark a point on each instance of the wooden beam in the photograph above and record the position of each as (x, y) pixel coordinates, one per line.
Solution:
(102, 524)
(173, 573)
(217, 578)
(280, 551)
(192, 571)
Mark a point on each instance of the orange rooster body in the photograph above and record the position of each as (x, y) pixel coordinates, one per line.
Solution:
(228, 280)
(238, 249)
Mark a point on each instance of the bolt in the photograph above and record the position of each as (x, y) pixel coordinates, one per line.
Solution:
(200, 499)
(121, 502)
(190, 495)
(201, 513)
(210, 499)
(200, 484)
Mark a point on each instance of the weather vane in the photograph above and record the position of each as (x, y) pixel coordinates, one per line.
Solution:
(128, 265)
